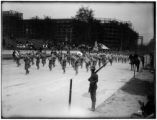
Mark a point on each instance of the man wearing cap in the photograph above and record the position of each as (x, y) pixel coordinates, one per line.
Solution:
(93, 86)
(64, 64)
(76, 66)
(50, 62)
(37, 60)
(27, 63)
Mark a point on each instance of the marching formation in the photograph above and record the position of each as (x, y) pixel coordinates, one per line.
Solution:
(75, 60)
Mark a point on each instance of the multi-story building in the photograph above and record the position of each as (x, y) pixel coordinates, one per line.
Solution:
(113, 33)
(12, 23)
(119, 34)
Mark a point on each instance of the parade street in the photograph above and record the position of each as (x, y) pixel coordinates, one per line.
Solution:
(45, 93)
(78, 60)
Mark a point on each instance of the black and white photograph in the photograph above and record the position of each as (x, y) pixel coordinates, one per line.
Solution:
(78, 59)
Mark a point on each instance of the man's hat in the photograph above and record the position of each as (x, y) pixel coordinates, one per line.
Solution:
(92, 68)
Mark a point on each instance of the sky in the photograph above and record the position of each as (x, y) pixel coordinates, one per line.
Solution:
(141, 15)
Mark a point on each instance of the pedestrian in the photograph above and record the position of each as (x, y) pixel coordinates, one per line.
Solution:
(131, 58)
(136, 61)
(93, 87)
(142, 60)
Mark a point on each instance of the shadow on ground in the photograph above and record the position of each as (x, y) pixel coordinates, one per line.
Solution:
(125, 102)
(138, 87)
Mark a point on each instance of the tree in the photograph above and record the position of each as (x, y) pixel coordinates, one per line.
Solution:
(84, 14)
(83, 21)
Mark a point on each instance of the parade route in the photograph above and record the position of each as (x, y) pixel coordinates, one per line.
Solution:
(45, 94)
(78, 60)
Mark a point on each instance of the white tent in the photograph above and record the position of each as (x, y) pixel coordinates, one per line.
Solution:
(79, 53)
(102, 46)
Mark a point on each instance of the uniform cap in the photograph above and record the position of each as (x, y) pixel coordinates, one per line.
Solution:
(92, 68)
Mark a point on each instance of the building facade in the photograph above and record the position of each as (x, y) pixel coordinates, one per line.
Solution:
(12, 23)
(113, 33)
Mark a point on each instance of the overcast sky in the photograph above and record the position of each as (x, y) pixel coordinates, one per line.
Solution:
(139, 14)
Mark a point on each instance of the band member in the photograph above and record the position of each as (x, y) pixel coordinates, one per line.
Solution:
(64, 64)
(53, 60)
(37, 60)
(27, 63)
(32, 57)
(43, 58)
(76, 66)
(17, 58)
(110, 59)
(13, 54)
(50, 63)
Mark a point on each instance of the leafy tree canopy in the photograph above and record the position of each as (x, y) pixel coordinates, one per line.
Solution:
(84, 14)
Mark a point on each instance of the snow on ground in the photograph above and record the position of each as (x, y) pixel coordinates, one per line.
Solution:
(45, 93)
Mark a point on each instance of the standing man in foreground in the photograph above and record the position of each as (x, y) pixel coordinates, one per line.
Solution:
(93, 86)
